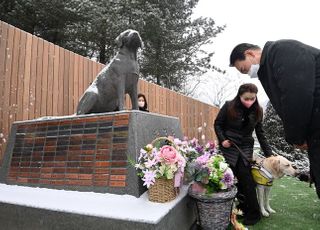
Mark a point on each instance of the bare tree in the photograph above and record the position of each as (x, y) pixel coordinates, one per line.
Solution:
(218, 87)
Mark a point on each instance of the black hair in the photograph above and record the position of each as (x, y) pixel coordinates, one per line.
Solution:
(145, 107)
(237, 53)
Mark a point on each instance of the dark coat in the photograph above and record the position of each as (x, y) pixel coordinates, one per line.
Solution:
(143, 109)
(239, 131)
(290, 74)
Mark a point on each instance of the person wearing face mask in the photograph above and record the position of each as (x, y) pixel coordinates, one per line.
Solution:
(234, 125)
(289, 72)
(142, 102)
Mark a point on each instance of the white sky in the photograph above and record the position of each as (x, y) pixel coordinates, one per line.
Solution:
(257, 22)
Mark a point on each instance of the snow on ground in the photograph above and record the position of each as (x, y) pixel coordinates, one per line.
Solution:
(125, 207)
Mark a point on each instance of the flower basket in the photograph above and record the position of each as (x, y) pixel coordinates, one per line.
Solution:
(213, 188)
(161, 166)
(214, 210)
(162, 191)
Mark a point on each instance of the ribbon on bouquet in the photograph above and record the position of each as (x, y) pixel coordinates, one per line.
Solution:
(178, 178)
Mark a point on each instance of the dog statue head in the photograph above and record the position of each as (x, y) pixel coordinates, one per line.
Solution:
(130, 39)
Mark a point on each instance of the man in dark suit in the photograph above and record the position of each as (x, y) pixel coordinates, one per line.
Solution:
(289, 72)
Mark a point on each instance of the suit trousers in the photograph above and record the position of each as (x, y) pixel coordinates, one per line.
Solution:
(314, 158)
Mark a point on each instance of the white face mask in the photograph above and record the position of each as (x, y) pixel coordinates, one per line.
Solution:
(253, 71)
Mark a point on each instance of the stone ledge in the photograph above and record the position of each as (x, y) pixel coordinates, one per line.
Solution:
(42, 209)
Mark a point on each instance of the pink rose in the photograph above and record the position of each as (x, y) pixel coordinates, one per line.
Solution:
(168, 154)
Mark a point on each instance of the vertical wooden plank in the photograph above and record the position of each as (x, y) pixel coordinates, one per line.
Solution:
(162, 101)
(61, 81)
(196, 119)
(45, 69)
(140, 86)
(154, 99)
(56, 102)
(150, 99)
(75, 82)
(39, 76)
(26, 80)
(157, 98)
(50, 80)
(159, 90)
(2, 61)
(90, 75)
(81, 90)
(184, 110)
(33, 72)
(85, 74)
(167, 102)
(7, 83)
(21, 71)
(168, 112)
(66, 82)
(14, 78)
(71, 92)
(183, 106)
(3, 47)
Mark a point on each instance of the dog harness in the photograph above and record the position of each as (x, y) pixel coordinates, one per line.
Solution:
(261, 175)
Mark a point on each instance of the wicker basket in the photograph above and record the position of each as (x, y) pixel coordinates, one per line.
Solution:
(162, 191)
(214, 210)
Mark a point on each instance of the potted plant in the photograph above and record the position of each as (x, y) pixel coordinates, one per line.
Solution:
(161, 167)
(213, 185)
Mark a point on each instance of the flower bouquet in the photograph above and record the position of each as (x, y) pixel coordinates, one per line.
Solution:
(213, 173)
(161, 167)
(213, 185)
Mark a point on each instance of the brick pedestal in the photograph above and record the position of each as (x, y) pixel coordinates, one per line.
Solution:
(85, 153)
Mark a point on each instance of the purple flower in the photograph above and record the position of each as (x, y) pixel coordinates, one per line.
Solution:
(149, 178)
(199, 149)
(142, 154)
(228, 178)
(194, 142)
(150, 163)
(154, 152)
(210, 145)
(203, 159)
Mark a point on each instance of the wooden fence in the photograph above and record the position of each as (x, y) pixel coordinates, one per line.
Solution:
(38, 78)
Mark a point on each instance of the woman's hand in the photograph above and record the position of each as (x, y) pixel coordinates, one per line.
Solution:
(226, 143)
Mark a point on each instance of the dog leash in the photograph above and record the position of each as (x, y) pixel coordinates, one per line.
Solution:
(242, 153)
(260, 174)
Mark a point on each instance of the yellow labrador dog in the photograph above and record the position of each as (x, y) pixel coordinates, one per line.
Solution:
(271, 168)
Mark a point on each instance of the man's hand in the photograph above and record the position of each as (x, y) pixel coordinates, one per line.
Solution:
(226, 143)
(304, 146)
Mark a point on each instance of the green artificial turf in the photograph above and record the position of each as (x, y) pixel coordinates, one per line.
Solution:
(296, 204)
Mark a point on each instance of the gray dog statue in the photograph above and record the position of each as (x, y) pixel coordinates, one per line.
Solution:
(120, 76)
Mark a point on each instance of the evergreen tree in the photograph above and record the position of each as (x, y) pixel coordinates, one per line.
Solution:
(173, 50)
(47, 19)
(274, 132)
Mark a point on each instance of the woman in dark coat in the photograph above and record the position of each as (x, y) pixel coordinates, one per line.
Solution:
(234, 126)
